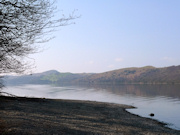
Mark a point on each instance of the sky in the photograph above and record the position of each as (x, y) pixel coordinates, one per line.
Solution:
(112, 35)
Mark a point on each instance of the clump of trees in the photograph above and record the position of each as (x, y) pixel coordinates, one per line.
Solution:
(22, 24)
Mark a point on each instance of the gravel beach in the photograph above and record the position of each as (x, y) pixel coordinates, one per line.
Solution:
(36, 116)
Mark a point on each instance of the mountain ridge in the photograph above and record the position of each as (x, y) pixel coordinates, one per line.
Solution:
(140, 75)
(132, 75)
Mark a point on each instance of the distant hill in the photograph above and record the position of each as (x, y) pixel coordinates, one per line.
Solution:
(48, 77)
(143, 75)
(134, 75)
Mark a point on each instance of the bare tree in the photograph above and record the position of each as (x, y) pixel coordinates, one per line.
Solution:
(22, 24)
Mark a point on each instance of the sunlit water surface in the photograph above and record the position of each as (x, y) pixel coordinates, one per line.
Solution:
(162, 100)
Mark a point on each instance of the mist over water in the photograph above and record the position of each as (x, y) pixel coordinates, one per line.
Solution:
(162, 100)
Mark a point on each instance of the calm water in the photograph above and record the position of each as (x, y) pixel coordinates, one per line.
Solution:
(162, 100)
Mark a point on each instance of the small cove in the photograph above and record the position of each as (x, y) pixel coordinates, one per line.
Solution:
(162, 100)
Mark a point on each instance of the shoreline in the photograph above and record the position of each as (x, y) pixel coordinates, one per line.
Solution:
(21, 115)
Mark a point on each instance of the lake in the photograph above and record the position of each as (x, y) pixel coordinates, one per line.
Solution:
(162, 100)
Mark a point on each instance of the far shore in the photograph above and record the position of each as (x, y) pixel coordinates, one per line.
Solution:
(40, 116)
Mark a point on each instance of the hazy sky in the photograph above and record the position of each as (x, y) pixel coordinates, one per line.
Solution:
(114, 34)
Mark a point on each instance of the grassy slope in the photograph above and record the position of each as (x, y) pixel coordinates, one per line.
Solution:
(138, 75)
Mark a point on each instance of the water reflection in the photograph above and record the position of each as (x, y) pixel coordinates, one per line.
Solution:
(172, 91)
(162, 100)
